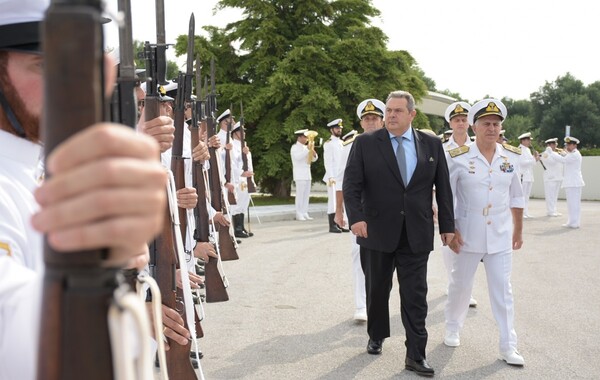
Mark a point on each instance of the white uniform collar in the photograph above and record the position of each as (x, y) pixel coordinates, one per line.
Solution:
(20, 150)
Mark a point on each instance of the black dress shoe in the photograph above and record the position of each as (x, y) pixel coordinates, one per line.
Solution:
(250, 234)
(374, 347)
(420, 367)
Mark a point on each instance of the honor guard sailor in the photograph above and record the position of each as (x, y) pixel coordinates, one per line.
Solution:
(300, 153)
(332, 155)
(456, 116)
(526, 164)
(553, 175)
(573, 182)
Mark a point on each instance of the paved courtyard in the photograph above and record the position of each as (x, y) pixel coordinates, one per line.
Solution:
(291, 306)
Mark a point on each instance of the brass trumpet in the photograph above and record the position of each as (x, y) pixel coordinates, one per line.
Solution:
(311, 144)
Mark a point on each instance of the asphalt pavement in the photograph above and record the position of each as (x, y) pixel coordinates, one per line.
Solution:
(291, 304)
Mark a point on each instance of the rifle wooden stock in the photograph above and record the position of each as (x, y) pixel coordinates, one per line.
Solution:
(249, 180)
(74, 336)
(179, 365)
(178, 356)
(213, 281)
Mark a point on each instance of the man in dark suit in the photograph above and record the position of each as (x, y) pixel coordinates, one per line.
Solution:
(388, 186)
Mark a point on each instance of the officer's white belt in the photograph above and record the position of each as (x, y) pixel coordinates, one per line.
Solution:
(481, 211)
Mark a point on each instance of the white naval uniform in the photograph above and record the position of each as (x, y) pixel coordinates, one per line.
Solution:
(447, 254)
(242, 195)
(21, 262)
(358, 276)
(485, 194)
(302, 177)
(573, 183)
(241, 191)
(553, 176)
(526, 164)
(332, 155)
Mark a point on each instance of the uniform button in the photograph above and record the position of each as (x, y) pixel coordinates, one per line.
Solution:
(401, 212)
(491, 188)
(490, 171)
(489, 222)
(490, 205)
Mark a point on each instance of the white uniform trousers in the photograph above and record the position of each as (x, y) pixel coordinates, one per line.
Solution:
(358, 276)
(551, 189)
(242, 201)
(302, 196)
(527, 185)
(573, 205)
(331, 199)
(448, 256)
(498, 268)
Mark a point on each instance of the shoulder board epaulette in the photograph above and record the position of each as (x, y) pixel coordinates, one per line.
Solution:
(458, 151)
(350, 140)
(511, 148)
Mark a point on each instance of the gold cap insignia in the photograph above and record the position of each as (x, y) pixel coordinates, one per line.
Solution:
(459, 109)
(492, 107)
(369, 107)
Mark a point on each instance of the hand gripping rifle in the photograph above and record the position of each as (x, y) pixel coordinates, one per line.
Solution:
(230, 195)
(215, 284)
(78, 289)
(249, 180)
(226, 242)
(165, 251)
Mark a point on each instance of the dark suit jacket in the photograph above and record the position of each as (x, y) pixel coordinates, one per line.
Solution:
(374, 192)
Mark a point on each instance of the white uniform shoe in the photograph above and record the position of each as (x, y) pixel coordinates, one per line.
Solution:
(452, 339)
(472, 302)
(512, 357)
(300, 217)
(360, 315)
(307, 217)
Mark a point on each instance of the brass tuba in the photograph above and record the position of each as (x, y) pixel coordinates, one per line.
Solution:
(311, 144)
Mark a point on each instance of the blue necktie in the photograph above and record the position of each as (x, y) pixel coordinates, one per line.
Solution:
(401, 159)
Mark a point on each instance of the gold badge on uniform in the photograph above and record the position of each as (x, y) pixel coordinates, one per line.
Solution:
(507, 167)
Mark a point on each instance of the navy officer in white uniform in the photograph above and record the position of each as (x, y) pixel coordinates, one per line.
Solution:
(489, 224)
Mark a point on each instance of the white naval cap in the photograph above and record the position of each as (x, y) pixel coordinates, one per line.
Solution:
(300, 132)
(552, 141)
(20, 24)
(370, 107)
(502, 132)
(448, 132)
(526, 135)
(455, 109)
(236, 126)
(486, 107)
(349, 135)
(225, 114)
(335, 123)
(571, 139)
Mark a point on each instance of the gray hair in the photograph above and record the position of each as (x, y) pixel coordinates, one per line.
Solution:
(410, 101)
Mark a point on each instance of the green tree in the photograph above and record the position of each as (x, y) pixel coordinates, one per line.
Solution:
(567, 101)
(301, 64)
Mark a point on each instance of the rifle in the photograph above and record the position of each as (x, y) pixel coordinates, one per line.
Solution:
(164, 256)
(230, 195)
(251, 186)
(214, 283)
(123, 105)
(183, 97)
(74, 333)
(226, 242)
